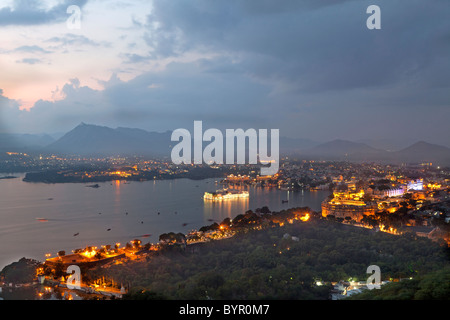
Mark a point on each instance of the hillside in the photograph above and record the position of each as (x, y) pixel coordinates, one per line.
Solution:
(423, 152)
(344, 150)
(276, 263)
(24, 142)
(418, 152)
(88, 139)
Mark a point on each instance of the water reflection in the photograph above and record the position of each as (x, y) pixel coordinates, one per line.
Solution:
(226, 208)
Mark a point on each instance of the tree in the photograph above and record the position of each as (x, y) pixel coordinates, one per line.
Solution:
(404, 204)
(412, 203)
(265, 210)
(98, 255)
(226, 222)
(211, 280)
(59, 270)
(21, 271)
(407, 196)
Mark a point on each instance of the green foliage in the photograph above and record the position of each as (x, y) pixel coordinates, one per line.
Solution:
(142, 294)
(22, 271)
(432, 286)
(282, 263)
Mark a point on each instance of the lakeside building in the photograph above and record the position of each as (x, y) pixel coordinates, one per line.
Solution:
(225, 195)
(346, 203)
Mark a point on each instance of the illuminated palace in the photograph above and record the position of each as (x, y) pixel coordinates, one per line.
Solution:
(225, 195)
(348, 203)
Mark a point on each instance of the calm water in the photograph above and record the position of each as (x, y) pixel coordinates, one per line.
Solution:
(73, 208)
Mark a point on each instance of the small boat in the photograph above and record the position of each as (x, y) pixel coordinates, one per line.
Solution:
(145, 236)
(41, 219)
(93, 186)
(284, 201)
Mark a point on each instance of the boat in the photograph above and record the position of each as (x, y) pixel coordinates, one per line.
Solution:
(225, 195)
(93, 186)
(41, 219)
(145, 236)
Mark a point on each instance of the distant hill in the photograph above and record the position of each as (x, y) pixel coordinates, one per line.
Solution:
(344, 150)
(24, 142)
(418, 152)
(386, 144)
(86, 139)
(423, 152)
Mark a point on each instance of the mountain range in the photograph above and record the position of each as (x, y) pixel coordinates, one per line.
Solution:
(94, 140)
(24, 142)
(89, 140)
(419, 152)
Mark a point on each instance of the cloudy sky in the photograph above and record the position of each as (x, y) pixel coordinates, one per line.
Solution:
(310, 68)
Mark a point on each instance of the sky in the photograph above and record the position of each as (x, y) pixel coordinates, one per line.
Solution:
(311, 68)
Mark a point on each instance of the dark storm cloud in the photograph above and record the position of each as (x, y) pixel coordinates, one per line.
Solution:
(31, 12)
(311, 68)
(318, 45)
(184, 93)
(318, 58)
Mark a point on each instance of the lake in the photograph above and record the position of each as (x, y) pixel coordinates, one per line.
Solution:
(39, 218)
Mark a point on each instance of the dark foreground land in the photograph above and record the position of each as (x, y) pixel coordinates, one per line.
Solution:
(287, 263)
